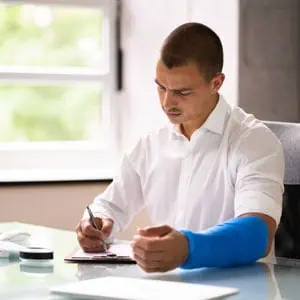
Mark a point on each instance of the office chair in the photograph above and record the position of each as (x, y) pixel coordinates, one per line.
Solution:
(287, 238)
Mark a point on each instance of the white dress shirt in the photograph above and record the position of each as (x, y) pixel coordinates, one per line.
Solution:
(232, 165)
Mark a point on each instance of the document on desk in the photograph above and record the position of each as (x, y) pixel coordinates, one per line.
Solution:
(118, 253)
(141, 289)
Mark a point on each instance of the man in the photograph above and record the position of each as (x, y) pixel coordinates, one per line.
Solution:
(213, 177)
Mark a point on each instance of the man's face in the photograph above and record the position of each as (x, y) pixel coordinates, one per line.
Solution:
(183, 92)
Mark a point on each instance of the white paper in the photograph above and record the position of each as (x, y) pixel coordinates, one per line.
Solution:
(142, 289)
(122, 249)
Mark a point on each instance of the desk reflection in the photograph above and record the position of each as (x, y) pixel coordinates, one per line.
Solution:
(91, 271)
(258, 281)
(288, 279)
(255, 281)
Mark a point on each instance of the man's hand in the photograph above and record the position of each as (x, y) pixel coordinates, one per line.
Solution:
(91, 239)
(159, 249)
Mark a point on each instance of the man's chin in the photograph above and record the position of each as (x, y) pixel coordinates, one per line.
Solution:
(175, 121)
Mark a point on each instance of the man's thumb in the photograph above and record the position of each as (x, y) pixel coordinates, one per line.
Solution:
(160, 231)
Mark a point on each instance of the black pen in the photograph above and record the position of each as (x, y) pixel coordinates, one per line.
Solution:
(92, 218)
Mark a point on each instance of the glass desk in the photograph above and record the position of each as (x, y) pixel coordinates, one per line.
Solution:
(23, 281)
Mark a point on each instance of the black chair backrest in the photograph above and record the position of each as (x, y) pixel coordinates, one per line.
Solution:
(287, 239)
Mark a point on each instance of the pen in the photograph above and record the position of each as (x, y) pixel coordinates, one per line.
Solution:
(92, 218)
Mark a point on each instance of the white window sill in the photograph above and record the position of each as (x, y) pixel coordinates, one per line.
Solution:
(55, 162)
(48, 175)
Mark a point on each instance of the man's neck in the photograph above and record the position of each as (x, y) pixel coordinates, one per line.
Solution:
(189, 127)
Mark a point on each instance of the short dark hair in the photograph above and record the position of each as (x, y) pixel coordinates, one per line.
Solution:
(194, 42)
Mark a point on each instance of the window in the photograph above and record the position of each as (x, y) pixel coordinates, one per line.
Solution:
(57, 85)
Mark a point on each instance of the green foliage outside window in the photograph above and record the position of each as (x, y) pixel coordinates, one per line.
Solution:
(50, 37)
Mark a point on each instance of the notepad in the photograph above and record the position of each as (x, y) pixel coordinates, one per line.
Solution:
(142, 289)
(118, 253)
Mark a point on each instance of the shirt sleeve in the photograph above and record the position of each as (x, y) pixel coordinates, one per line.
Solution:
(122, 199)
(260, 173)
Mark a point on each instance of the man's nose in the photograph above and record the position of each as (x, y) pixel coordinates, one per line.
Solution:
(169, 100)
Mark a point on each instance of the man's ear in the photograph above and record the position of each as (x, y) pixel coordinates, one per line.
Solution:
(217, 82)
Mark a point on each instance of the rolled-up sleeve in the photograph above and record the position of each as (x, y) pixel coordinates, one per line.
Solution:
(123, 198)
(260, 173)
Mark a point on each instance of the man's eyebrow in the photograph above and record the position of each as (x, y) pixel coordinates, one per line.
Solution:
(157, 82)
(174, 90)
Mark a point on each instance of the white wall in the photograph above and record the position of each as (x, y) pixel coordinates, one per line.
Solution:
(145, 25)
(223, 17)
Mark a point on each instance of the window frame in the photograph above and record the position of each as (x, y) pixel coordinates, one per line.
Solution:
(67, 160)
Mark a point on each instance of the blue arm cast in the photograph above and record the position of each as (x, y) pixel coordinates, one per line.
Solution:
(235, 242)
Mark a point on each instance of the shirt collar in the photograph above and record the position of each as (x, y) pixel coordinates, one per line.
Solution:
(215, 121)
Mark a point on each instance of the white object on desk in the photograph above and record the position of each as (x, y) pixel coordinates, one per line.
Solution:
(4, 254)
(142, 289)
(8, 247)
(12, 241)
(15, 236)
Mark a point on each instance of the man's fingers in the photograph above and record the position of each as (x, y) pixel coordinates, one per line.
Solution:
(88, 243)
(91, 239)
(147, 264)
(151, 264)
(149, 244)
(152, 268)
(159, 231)
(88, 230)
(93, 250)
(98, 247)
(99, 222)
(148, 256)
(106, 228)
